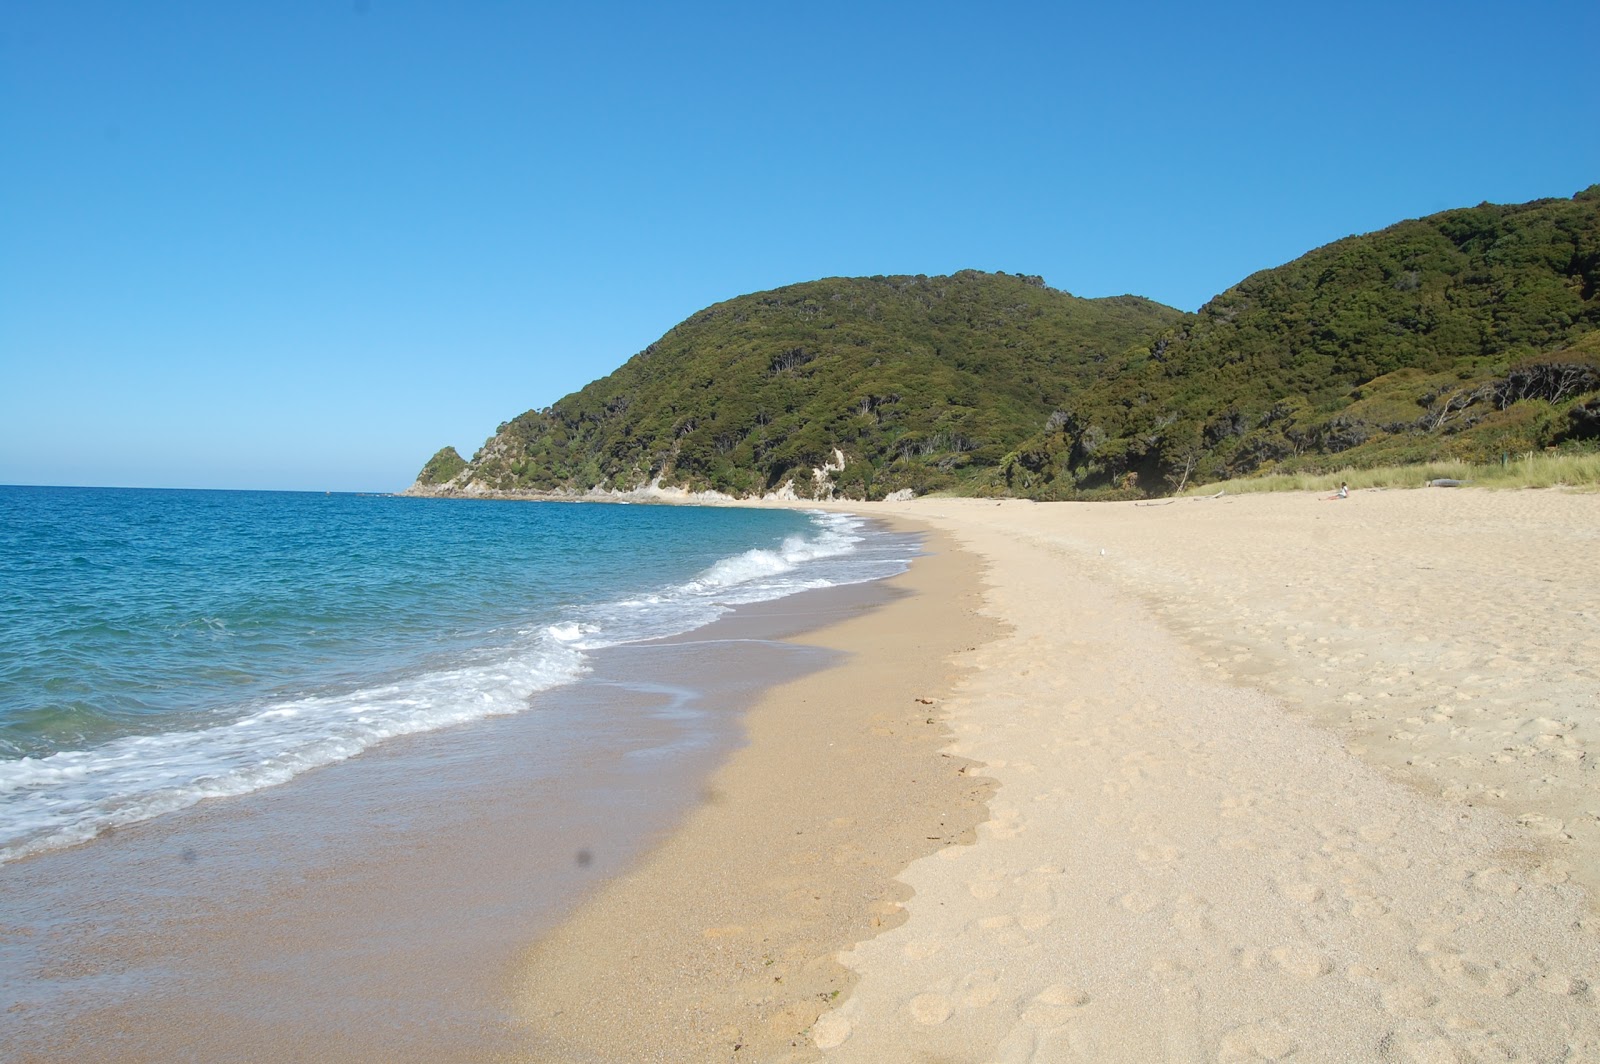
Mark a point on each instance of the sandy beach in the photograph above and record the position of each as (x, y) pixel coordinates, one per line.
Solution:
(1259, 778)
(722, 944)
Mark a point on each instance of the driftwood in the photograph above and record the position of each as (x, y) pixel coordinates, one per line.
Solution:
(1445, 482)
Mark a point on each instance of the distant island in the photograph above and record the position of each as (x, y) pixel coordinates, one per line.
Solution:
(1468, 334)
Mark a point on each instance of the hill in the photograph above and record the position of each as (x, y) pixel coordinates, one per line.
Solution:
(1467, 334)
(916, 383)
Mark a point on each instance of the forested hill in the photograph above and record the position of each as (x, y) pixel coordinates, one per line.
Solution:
(919, 382)
(1468, 333)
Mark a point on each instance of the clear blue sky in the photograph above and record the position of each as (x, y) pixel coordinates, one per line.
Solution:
(303, 245)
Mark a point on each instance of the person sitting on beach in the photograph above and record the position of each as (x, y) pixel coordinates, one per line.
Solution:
(1342, 493)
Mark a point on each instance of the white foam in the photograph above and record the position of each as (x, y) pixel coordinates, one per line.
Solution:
(73, 795)
(70, 796)
(795, 552)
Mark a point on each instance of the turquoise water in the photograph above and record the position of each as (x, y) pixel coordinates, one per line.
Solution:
(161, 647)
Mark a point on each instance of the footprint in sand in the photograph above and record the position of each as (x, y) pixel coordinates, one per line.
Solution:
(1302, 961)
(930, 1009)
(1429, 1051)
(1494, 881)
(980, 989)
(1560, 985)
(1041, 878)
(1062, 994)
(1157, 854)
(1168, 970)
(1034, 921)
(1304, 893)
(1552, 873)
(1054, 1005)
(1238, 805)
(1467, 974)
(1139, 902)
(830, 1031)
(1005, 823)
(1545, 826)
(1407, 1001)
(1191, 917)
(1255, 1042)
(1366, 906)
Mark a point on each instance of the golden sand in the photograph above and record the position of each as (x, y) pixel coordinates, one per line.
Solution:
(720, 946)
(1276, 778)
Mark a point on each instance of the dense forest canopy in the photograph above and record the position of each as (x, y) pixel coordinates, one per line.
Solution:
(1465, 334)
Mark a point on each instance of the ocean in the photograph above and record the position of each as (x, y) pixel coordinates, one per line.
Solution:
(163, 647)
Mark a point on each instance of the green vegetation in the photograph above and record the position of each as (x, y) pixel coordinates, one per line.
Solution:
(1531, 470)
(1465, 336)
(444, 465)
(920, 382)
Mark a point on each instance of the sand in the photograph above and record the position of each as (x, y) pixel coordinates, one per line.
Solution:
(721, 945)
(1274, 778)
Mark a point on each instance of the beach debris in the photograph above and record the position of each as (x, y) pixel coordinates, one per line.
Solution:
(926, 701)
(1445, 482)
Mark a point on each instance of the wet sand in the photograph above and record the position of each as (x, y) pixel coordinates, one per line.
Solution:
(376, 909)
(720, 945)
(1274, 778)
(1253, 778)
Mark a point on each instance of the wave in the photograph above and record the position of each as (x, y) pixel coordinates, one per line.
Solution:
(71, 796)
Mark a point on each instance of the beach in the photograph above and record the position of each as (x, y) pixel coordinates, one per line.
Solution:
(1260, 777)
(1256, 777)
(720, 944)
(364, 750)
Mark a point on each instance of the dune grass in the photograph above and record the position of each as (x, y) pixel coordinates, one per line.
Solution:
(1531, 470)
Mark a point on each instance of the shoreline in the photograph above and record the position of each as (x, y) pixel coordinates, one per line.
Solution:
(719, 945)
(373, 908)
(1258, 786)
(1254, 778)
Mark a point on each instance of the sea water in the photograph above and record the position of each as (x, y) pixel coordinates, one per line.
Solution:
(158, 648)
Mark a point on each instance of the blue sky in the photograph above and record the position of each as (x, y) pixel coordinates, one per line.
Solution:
(303, 245)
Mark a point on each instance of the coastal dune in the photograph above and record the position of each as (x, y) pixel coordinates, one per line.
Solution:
(1273, 778)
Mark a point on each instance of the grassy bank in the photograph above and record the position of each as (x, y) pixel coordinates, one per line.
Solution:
(1533, 470)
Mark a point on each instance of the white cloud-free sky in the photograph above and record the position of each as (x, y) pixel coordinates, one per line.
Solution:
(303, 245)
